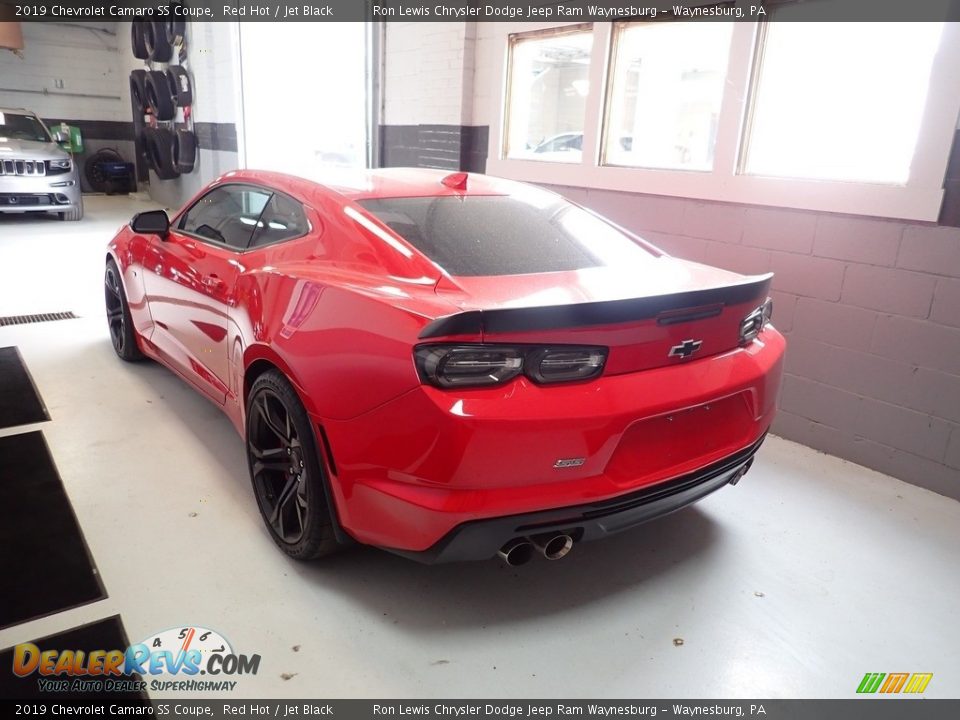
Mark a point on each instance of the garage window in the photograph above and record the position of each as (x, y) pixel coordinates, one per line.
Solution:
(665, 93)
(549, 80)
(840, 117)
(840, 101)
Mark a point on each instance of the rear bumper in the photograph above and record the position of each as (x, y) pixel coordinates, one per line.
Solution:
(412, 471)
(481, 539)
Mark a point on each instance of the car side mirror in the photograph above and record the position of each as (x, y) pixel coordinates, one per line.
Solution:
(152, 222)
(60, 139)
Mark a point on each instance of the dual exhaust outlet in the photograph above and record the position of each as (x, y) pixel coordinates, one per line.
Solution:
(519, 551)
(554, 546)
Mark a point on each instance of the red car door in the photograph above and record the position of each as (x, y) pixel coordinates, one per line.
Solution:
(190, 281)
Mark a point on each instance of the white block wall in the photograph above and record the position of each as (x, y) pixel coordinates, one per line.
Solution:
(84, 58)
(428, 75)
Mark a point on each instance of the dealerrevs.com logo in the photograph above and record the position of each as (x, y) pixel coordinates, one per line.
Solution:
(179, 659)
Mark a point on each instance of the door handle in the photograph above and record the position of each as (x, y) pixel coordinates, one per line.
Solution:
(213, 281)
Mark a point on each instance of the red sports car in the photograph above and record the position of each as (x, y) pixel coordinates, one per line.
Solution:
(448, 366)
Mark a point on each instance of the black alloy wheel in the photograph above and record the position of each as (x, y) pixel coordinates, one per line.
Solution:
(118, 316)
(288, 480)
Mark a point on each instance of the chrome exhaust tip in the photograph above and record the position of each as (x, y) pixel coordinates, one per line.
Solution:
(741, 472)
(553, 547)
(516, 552)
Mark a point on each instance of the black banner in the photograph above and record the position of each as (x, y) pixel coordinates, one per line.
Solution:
(478, 10)
(854, 709)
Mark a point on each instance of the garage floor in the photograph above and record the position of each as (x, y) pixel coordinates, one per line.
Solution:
(808, 574)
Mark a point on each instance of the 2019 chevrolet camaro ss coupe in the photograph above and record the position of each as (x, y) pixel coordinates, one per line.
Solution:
(448, 366)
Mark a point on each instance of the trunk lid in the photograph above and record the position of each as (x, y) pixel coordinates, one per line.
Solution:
(667, 312)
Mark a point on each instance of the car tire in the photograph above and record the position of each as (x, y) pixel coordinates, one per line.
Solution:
(184, 151)
(175, 29)
(137, 40)
(158, 145)
(74, 214)
(288, 479)
(97, 181)
(143, 137)
(180, 86)
(160, 96)
(122, 336)
(138, 90)
(155, 39)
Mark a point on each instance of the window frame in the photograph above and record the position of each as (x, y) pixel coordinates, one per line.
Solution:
(303, 211)
(608, 102)
(178, 221)
(514, 39)
(920, 198)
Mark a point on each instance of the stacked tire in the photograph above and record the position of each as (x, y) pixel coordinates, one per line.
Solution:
(160, 94)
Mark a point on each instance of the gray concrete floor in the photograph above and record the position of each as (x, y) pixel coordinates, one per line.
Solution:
(809, 573)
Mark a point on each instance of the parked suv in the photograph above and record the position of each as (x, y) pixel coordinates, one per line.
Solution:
(36, 174)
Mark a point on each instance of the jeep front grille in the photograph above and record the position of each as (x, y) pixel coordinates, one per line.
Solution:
(22, 167)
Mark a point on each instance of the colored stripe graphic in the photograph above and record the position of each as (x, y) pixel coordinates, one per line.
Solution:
(918, 683)
(870, 682)
(894, 682)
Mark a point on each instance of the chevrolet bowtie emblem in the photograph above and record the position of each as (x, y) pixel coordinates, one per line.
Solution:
(685, 349)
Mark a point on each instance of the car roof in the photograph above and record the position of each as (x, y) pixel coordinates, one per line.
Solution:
(380, 183)
(18, 111)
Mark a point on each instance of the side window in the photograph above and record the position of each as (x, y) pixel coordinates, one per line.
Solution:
(227, 215)
(282, 219)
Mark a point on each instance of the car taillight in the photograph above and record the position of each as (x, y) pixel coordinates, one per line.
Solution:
(448, 366)
(472, 365)
(753, 324)
(556, 364)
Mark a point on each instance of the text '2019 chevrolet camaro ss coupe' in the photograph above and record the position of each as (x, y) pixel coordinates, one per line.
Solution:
(448, 366)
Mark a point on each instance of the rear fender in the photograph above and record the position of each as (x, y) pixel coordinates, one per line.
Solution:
(265, 355)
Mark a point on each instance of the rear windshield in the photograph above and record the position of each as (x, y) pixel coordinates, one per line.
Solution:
(506, 235)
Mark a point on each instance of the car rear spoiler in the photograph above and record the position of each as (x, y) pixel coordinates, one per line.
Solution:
(700, 303)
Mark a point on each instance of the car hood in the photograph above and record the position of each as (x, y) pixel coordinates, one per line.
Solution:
(29, 150)
(656, 276)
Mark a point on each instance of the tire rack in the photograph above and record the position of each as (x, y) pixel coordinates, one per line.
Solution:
(142, 120)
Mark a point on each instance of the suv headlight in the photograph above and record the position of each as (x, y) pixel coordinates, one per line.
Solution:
(58, 167)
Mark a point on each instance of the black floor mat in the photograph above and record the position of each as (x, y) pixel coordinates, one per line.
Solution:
(107, 634)
(20, 403)
(44, 561)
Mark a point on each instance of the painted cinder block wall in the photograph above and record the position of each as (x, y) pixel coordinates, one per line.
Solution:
(870, 306)
(428, 80)
(85, 61)
(871, 311)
